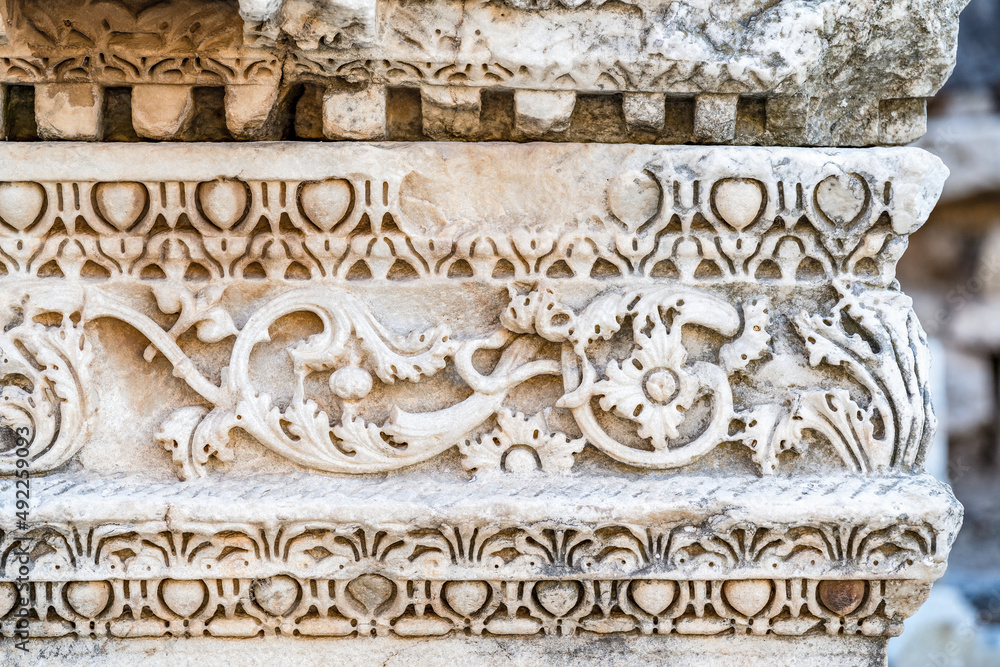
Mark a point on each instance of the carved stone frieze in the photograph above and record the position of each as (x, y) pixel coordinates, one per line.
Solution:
(777, 217)
(661, 320)
(373, 605)
(449, 389)
(704, 558)
(561, 346)
(799, 67)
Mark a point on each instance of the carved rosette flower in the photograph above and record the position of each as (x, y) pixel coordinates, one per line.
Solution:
(651, 387)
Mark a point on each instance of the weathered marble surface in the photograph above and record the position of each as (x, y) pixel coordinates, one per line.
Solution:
(422, 313)
(423, 555)
(787, 73)
(413, 403)
(414, 390)
(816, 651)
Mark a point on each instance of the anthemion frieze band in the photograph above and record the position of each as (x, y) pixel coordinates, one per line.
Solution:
(546, 390)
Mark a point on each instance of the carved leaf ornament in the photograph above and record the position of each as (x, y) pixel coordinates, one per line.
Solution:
(880, 418)
(692, 338)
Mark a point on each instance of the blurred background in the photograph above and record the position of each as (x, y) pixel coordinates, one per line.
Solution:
(952, 271)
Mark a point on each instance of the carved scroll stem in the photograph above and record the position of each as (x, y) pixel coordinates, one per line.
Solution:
(302, 433)
(340, 314)
(510, 371)
(97, 305)
(443, 428)
(715, 432)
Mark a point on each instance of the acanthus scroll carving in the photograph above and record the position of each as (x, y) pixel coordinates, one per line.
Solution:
(665, 306)
(654, 376)
(47, 403)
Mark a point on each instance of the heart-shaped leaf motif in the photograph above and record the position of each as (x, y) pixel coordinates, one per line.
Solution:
(634, 198)
(841, 597)
(121, 204)
(653, 597)
(842, 199)
(557, 597)
(21, 203)
(277, 594)
(183, 597)
(371, 591)
(326, 203)
(88, 598)
(223, 202)
(747, 596)
(738, 201)
(466, 597)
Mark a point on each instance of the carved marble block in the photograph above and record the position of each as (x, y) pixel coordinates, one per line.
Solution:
(795, 72)
(573, 392)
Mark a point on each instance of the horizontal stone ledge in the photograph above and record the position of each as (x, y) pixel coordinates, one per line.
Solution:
(401, 211)
(694, 527)
(308, 162)
(889, 49)
(390, 651)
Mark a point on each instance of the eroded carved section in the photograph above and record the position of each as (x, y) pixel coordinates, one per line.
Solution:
(845, 65)
(47, 399)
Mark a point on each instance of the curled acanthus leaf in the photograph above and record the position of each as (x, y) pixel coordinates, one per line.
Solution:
(193, 434)
(200, 310)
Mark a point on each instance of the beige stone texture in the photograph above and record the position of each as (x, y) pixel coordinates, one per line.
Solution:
(644, 111)
(450, 110)
(161, 111)
(725, 651)
(866, 67)
(71, 111)
(3, 121)
(351, 114)
(787, 117)
(248, 108)
(538, 112)
(715, 118)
